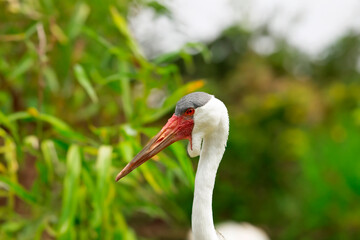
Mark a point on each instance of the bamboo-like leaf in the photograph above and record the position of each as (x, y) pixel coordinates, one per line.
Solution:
(103, 164)
(58, 33)
(32, 112)
(127, 151)
(51, 79)
(120, 22)
(4, 120)
(80, 15)
(94, 35)
(118, 51)
(121, 25)
(18, 116)
(202, 48)
(188, 61)
(12, 226)
(18, 190)
(23, 66)
(185, 162)
(9, 150)
(57, 123)
(159, 8)
(85, 82)
(62, 127)
(31, 30)
(180, 153)
(123, 231)
(70, 191)
(50, 156)
(167, 57)
(150, 178)
(171, 101)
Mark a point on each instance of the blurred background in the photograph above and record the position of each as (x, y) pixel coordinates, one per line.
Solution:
(84, 85)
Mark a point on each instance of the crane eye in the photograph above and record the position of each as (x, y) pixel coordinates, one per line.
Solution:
(189, 111)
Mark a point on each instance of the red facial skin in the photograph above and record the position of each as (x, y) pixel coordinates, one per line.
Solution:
(177, 128)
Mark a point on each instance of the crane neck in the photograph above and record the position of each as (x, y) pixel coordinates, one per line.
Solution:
(212, 151)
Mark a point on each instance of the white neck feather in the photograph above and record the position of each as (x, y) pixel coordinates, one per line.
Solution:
(213, 147)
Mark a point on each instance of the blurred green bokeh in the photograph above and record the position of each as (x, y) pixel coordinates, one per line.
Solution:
(78, 100)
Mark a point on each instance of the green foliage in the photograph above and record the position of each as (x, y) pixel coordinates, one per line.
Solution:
(292, 161)
(76, 98)
(78, 101)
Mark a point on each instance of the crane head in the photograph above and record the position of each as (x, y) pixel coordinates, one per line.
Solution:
(193, 117)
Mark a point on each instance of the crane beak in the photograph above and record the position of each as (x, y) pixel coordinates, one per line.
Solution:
(177, 128)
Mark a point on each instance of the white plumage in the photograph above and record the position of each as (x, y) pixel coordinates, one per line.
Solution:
(209, 137)
(204, 121)
(237, 231)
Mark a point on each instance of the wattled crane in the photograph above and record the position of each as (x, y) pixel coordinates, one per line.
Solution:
(203, 120)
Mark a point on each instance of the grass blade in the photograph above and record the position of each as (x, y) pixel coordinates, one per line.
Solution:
(10, 125)
(78, 20)
(18, 190)
(50, 156)
(85, 82)
(185, 162)
(103, 164)
(71, 191)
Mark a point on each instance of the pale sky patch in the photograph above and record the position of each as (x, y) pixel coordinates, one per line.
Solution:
(310, 25)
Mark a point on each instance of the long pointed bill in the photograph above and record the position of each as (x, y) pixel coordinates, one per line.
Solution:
(176, 128)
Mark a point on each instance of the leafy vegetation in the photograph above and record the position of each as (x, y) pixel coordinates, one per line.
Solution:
(78, 100)
(292, 161)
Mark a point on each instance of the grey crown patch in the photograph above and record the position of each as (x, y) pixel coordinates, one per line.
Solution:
(192, 100)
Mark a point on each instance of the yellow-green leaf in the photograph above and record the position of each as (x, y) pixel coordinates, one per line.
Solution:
(85, 82)
(70, 191)
(18, 190)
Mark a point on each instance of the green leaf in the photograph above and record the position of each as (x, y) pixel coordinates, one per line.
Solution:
(94, 35)
(85, 82)
(150, 178)
(61, 126)
(54, 121)
(120, 22)
(195, 47)
(51, 79)
(4, 120)
(57, 123)
(31, 31)
(18, 116)
(122, 26)
(70, 191)
(18, 190)
(81, 12)
(159, 8)
(167, 57)
(50, 156)
(8, 148)
(59, 33)
(171, 101)
(23, 66)
(185, 162)
(103, 164)
(13, 226)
